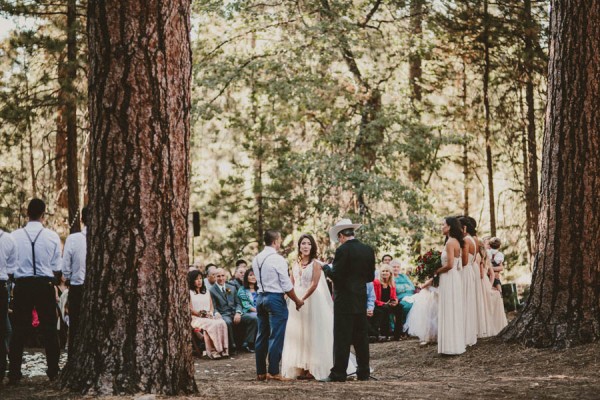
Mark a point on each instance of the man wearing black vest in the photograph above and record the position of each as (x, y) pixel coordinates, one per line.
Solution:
(353, 267)
(38, 256)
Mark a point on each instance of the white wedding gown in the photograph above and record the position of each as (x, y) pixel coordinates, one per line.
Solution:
(308, 343)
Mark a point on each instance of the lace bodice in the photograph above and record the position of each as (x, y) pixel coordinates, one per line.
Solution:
(303, 275)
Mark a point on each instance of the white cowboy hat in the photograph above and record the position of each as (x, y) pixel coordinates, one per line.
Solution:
(340, 226)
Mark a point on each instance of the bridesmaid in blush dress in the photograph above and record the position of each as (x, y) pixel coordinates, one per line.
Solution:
(470, 276)
(451, 325)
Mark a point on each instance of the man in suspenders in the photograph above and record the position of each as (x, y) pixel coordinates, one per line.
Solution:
(8, 258)
(271, 271)
(38, 256)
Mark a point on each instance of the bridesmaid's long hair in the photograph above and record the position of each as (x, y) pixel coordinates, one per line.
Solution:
(455, 231)
(313, 247)
(468, 222)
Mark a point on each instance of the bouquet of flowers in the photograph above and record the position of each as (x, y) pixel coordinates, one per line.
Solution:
(427, 264)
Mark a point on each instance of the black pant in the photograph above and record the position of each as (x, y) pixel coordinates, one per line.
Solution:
(75, 295)
(30, 293)
(381, 319)
(3, 327)
(350, 329)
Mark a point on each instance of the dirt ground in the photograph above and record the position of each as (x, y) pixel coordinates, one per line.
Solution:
(404, 371)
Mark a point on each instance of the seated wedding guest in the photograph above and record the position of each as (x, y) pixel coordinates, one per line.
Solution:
(227, 304)
(247, 293)
(404, 287)
(421, 321)
(238, 277)
(497, 260)
(212, 330)
(386, 304)
(211, 278)
(385, 260)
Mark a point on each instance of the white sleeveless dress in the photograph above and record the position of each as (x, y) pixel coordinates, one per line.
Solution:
(451, 325)
(308, 343)
(470, 301)
(495, 315)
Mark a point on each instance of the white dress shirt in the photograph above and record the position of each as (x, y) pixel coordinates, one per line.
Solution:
(273, 277)
(47, 251)
(73, 264)
(8, 255)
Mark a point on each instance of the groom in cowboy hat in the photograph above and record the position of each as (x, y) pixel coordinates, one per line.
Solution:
(352, 268)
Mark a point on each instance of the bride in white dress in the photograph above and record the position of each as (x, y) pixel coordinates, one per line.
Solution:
(308, 343)
(451, 328)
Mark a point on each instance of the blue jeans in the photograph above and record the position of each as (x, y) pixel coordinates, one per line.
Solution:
(272, 319)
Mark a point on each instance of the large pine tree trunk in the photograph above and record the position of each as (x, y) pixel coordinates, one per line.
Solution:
(564, 305)
(135, 323)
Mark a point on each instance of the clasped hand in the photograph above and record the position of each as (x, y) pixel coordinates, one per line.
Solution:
(299, 304)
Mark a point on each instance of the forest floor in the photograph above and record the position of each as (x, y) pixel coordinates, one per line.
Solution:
(490, 369)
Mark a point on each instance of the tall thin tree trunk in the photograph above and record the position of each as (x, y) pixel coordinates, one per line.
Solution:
(135, 322)
(528, 227)
(465, 156)
(486, 105)
(71, 117)
(532, 182)
(34, 191)
(524, 154)
(61, 139)
(415, 74)
(563, 309)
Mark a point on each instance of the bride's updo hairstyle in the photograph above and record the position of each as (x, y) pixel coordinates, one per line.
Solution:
(313, 247)
(456, 231)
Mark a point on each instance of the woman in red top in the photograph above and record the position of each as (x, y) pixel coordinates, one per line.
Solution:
(386, 304)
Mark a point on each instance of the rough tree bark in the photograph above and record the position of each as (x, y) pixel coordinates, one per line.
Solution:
(563, 309)
(135, 319)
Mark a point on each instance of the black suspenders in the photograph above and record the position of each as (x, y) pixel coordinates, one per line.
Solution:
(260, 271)
(33, 248)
